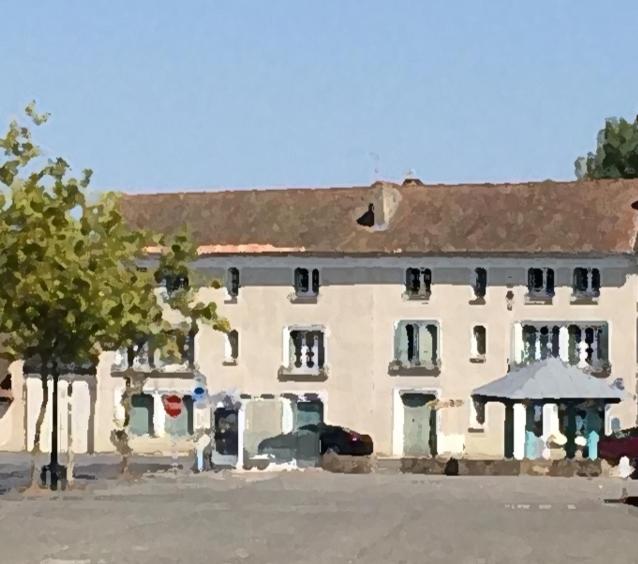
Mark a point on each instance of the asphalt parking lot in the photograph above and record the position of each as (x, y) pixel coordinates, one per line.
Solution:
(315, 516)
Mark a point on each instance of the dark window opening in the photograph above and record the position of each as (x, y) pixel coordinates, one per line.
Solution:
(480, 282)
(480, 341)
(586, 281)
(367, 219)
(232, 282)
(306, 281)
(233, 343)
(540, 281)
(6, 382)
(418, 282)
(307, 349)
(175, 282)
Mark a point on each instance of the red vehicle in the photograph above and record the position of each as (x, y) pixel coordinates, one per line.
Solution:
(621, 443)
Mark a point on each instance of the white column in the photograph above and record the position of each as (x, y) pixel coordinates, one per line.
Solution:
(590, 287)
(63, 416)
(34, 400)
(563, 343)
(287, 416)
(241, 429)
(159, 415)
(520, 419)
(80, 413)
(550, 424)
(518, 343)
(45, 435)
(537, 344)
(594, 348)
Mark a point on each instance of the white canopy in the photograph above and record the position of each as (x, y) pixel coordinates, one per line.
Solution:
(549, 379)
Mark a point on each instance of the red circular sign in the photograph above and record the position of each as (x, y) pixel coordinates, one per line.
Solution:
(172, 405)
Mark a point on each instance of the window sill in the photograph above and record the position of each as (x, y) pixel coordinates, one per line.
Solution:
(230, 363)
(424, 298)
(230, 300)
(538, 299)
(477, 360)
(583, 299)
(475, 430)
(477, 301)
(301, 299)
(397, 369)
(286, 374)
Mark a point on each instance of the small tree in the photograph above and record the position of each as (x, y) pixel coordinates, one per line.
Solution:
(180, 283)
(70, 282)
(616, 155)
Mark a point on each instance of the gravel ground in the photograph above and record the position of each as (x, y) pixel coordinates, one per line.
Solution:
(315, 516)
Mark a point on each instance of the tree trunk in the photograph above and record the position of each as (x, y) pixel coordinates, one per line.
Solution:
(119, 437)
(35, 451)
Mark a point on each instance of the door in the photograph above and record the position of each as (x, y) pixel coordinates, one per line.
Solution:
(307, 412)
(419, 425)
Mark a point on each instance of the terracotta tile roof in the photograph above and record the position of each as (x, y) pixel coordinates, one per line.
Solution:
(539, 217)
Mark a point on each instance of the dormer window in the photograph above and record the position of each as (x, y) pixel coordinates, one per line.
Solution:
(586, 283)
(306, 282)
(418, 283)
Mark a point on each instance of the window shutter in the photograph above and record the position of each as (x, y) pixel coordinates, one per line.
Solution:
(401, 343)
(595, 279)
(550, 281)
(315, 281)
(531, 279)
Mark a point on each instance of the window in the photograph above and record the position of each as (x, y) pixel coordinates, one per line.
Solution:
(306, 282)
(479, 284)
(231, 352)
(477, 416)
(141, 418)
(416, 345)
(586, 282)
(174, 282)
(418, 283)
(479, 343)
(182, 425)
(232, 282)
(306, 351)
(540, 282)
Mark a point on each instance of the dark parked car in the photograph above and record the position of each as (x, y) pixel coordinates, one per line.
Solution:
(621, 443)
(314, 439)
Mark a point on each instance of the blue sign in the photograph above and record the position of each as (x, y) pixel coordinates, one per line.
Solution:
(199, 393)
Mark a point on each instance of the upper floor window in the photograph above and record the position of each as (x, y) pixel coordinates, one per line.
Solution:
(418, 283)
(304, 353)
(479, 283)
(540, 282)
(174, 282)
(416, 346)
(231, 349)
(306, 282)
(586, 282)
(479, 343)
(232, 282)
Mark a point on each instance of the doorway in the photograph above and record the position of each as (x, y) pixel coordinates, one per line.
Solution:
(419, 424)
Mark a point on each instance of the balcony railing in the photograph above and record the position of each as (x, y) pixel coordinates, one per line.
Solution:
(578, 344)
(148, 358)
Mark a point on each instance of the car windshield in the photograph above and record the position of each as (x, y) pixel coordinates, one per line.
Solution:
(626, 433)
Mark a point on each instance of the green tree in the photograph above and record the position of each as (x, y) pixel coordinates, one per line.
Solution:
(70, 281)
(173, 336)
(616, 155)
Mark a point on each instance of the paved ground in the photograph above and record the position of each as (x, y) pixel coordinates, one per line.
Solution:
(314, 516)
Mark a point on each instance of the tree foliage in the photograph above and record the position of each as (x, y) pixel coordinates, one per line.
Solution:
(72, 286)
(616, 154)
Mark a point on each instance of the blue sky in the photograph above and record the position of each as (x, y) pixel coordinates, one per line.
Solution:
(161, 96)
